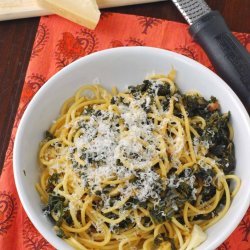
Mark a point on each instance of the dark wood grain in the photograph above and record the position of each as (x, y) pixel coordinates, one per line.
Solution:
(235, 12)
(16, 40)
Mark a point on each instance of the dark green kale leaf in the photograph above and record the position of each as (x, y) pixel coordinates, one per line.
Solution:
(160, 238)
(52, 182)
(205, 177)
(184, 191)
(125, 224)
(195, 105)
(163, 90)
(198, 106)
(131, 203)
(145, 86)
(88, 110)
(48, 136)
(55, 205)
(61, 234)
(208, 193)
(113, 100)
(220, 146)
(146, 221)
(165, 104)
(173, 197)
(107, 189)
(216, 130)
(227, 161)
(67, 217)
(111, 216)
(118, 162)
(202, 174)
(214, 213)
(141, 88)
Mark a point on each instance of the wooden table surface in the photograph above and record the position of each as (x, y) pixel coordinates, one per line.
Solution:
(17, 36)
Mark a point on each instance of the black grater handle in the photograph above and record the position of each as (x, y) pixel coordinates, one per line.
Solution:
(229, 58)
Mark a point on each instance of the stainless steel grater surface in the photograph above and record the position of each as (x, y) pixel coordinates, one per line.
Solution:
(192, 9)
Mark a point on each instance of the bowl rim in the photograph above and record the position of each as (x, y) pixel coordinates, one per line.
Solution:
(18, 180)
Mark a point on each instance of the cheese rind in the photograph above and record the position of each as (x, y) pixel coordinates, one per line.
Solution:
(83, 12)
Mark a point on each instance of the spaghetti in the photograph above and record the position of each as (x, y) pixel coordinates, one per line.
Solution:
(148, 168)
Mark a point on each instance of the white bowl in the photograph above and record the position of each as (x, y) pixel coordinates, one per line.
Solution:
(122, 67)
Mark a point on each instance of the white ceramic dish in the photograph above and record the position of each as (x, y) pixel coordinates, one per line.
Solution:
(121, 67)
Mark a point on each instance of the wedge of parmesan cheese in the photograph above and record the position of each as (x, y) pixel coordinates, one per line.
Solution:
(197, 237)
(83, 12)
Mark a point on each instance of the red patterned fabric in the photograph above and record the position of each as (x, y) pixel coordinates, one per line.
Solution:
(59, 42)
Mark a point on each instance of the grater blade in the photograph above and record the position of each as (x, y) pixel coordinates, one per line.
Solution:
(192, 9)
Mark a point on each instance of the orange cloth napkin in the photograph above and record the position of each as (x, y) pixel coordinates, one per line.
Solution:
(59, 42)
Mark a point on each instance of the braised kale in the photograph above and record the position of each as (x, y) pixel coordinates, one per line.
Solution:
(163, 90)
(198, 106)
(195, 105)
(57, 206)
(52, 181)
(60, 233)
(48, 136)
(220, 146)
(171, 201)
(160, 238)
(141, 88)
